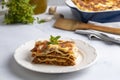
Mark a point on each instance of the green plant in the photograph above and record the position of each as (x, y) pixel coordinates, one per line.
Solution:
(19, 11)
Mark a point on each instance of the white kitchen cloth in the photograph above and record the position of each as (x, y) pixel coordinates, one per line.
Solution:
(111, 24)
(102, 35)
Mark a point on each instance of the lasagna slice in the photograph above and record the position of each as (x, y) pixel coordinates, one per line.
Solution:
(63, 53)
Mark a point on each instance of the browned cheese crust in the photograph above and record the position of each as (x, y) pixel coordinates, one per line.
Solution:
(97, 5)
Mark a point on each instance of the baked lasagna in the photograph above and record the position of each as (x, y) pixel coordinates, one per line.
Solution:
(97, 5)
(63, 53)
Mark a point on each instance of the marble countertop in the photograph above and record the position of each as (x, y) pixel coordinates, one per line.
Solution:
(107, 66)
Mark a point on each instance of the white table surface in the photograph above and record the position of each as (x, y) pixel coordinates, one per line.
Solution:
(107, 66)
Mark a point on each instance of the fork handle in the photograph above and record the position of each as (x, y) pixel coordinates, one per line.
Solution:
(99, 28)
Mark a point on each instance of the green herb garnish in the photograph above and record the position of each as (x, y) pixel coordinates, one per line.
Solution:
(54, 40)
(20, 11)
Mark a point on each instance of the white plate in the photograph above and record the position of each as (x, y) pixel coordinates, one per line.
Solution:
(86, 58)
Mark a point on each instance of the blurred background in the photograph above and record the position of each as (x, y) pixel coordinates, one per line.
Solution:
(53, 2)
(56, 2)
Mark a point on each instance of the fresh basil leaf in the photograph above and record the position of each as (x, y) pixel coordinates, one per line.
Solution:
(54, 40)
